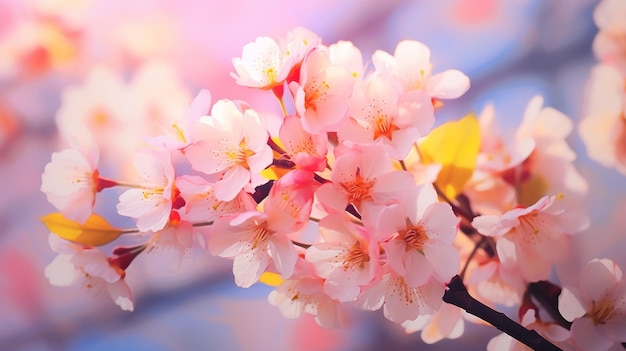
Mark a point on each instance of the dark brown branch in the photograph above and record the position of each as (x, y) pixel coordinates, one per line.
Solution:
(458, 295)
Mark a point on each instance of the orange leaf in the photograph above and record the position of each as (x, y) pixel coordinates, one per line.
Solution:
(96, 231)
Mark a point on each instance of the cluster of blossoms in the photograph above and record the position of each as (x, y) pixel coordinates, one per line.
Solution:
(349, 197)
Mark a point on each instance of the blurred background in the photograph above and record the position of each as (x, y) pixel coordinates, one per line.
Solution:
(167, 51)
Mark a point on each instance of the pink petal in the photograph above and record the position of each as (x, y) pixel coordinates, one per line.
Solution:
(395, 250)
(284, 254)
(248, 267)
(448, 85)
(440, 222)
(332, 197)
(570, 306)
(445, 261)
(586, 336)
(231, 183)
(597, 278)
(417, 268)
(61, 272)
(121, 295)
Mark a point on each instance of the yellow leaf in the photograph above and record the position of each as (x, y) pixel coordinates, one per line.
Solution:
(453, 145)
(271, 279)
(274, 173)
(96, 231)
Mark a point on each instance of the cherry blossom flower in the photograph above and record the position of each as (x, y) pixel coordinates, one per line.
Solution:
(378, 113)
(492, 282)
(603, 127)
(530, 239)
(71, 181)
(101, 109)
(159, 87)
(264, 64)
(322, 92)
(411, 66)
(290, 201)
(307, 151)
(252, 241)
(420, 231)
(499, 152)
(347, 257)
(231, 143)
(609, 45)
(401, 302)
(549, 169)
(34, 47)
(447, 323)
(344, 54)
(596, 306)
(177, 135)
(304, 294)
(365, 182)
(76, 265)
(151, 202)
(169, 246)
(201, 204)
(534, 162)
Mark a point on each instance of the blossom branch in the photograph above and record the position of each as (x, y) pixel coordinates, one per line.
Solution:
(457, 295)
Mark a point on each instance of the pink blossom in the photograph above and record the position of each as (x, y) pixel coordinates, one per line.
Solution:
(289, 203)
(263, 64)
(304, 294)
(401, 302)
(71, 181)
(167, 248)
(252, 241)
(362, 176)
(500, 152)
(177, 135)
(603, 127)
(347, 257)
(379, 114)
(549, 169)
(596, 306)
(347, 56)
(609, 45)
(411, 66)
(322, 92)
(421, 231)
(164, 97)
(101, 109)
(530, 239)
(494, 283)
(231, 144)
(307, 151)
(447, 323)
(299, 42)
(201, 204)
(90, 268)
(151, 202)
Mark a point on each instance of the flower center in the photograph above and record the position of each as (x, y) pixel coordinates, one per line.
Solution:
(355, 258)
(358, 189)
(601, 311)
(414, 236)
(260, 236)
(383, 127)
(315, 94)
(240, 155)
